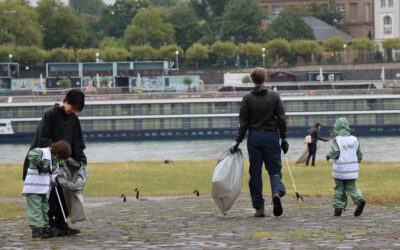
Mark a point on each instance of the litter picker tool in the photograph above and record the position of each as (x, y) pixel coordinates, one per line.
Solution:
(298, 196)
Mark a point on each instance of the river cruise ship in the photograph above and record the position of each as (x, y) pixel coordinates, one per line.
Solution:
(196, 115)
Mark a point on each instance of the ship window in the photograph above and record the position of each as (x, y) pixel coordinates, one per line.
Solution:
(369, 119)
(150, 109)
(26, 112)
(102, 110)
(294, 106)
(124, 124)
(314, 106)
(198, 123)
(389, 119)
(361, 105)
(25, 127)
(173, 108)
(221, 107)
(173, 123)
(99, 125)
(198, 108)
(295, 120)
(221, 122)
(151, 123)
(391, 104)
(6, 112)
(85, 125)
(124, 109)
(341, 105)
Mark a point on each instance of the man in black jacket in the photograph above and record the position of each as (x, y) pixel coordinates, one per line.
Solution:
(61, 123)
(263, 114)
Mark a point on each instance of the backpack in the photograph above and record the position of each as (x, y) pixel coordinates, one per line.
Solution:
(307, 139)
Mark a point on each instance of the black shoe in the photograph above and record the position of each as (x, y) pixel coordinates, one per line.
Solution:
(338, 212)
(276, 200)
(260, 213)
(360, 208)
(55, 232)
(73, 231)
(36, 233)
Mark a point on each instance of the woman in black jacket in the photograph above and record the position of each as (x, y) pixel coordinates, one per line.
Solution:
(312, 146)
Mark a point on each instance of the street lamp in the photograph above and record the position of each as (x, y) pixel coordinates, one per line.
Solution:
(97, 56)
(177, 59)
(10, 56)
(345, 53)
(263, 56)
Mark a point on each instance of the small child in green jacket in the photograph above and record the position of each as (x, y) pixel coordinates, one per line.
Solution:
(346, 153)
(43, 162)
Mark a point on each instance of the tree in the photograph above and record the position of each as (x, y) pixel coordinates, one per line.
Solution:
(290, 26)
(188, 28)
(224, 50)
(253, 52)
(52, 16)
(280, 49)
(187, 80)
(142, 53)
(389, 45)
(29, 55)
(19, 24)
(114, 54)
(334, 44)
(61, 55)
(242, 20)
(197, 53)
(110, 42)
(148, 28)
(363, 45)
(167, 53)
(86, 55)
(305, 49)
(87, 6)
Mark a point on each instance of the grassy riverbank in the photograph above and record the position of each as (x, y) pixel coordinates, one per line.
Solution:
(378, 181)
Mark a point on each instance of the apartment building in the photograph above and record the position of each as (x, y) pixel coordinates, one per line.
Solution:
(387, 20)
(357, 15)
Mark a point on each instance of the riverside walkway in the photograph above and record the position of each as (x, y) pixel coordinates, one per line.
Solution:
(195, 223)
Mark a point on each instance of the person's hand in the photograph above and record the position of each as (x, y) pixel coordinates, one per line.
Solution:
(73, 164)
(284, 146)
(53, 183)
(327, 157)
(43, 167)
(326, 140)
(234, 147)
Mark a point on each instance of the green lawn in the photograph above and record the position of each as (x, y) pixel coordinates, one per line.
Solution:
(378, 181)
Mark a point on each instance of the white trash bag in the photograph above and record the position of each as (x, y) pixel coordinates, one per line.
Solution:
(227, 179)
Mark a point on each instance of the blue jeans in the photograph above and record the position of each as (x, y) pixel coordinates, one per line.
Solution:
(264, 147)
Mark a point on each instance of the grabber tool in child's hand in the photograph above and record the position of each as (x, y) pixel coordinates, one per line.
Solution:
(298, 196)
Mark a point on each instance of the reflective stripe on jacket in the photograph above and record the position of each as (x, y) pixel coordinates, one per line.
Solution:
(346, 166)
(36, 183)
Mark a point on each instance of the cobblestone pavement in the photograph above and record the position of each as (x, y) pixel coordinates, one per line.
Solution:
(195, 223)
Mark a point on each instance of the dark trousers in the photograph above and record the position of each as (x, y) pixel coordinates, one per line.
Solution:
(56, 218)
(263, 147)
(312, 152)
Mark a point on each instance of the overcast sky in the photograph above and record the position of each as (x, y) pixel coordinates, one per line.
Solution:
(66, 1)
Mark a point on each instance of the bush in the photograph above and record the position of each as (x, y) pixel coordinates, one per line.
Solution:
(64, 83)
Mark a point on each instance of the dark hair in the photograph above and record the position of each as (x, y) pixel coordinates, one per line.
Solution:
(317, 124)
(258, 75)
(75, 98)
(61, 149)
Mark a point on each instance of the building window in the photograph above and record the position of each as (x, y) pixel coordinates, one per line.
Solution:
(354, 11)
(390, 3)
(340, 9)
(277, 9)
(383, 3)
(387, 25)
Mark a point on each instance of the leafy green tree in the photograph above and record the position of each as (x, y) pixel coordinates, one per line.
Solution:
(148, 28)
(280, 49)
(86, 55)
(187, 80)
(115, 18)
(167, 53)
(52, 16)
(305, 49)
(334, 44)
(19, 24)
(327, 12)
(290, 26)
(165, 3)
(142, 53)
(242, 20)
(29, 55)
(5, 50)
(110, 42)
(389, 45)
(114, 54)
(252, 52)
(64, 83)
(197, 53)
(224, 50)
(61, 55)
(364, 46)
(188, 28)
(87, 6)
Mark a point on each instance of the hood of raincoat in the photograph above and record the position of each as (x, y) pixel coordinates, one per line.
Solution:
(341, 127)
(259, 90)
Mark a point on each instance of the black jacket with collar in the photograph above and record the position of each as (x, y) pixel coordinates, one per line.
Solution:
(261, 109)
(57, 125)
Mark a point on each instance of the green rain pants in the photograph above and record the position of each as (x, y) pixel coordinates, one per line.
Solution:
(342, 188)
(38, 206)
